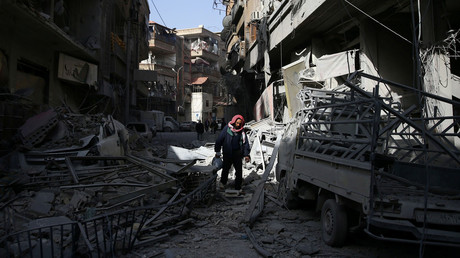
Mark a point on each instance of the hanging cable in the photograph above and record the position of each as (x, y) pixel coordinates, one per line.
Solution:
(158, 13)
(424, 109)
(419, 25)
(383, 25)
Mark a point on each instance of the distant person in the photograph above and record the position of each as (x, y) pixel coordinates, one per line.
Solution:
(206, 125)
(235, 146)
(199, 127)
(222, 124)
(213, 126)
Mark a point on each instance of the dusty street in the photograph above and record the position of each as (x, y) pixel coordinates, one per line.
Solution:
(217, 229)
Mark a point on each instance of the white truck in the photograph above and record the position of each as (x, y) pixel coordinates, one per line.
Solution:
(366, 164)
(163, 123)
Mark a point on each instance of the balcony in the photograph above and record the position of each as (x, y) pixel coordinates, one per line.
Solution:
(159, 46)
(159, 68)
(204, 54)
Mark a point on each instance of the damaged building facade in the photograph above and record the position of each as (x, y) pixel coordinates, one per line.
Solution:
(278, 46)
(83, 55)
(205, 59)
(186, 64)
(369, 95)
(165, 61)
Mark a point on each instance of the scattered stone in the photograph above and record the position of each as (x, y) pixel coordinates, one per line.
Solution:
(41, 203)
(288, 215)
(297, 236)
(275, 228)
(267, 239)
(307, 249)
(201, 223)
(169, 253)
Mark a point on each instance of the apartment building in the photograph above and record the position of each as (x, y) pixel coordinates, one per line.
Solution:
(166, 60)
(280, 46)
(82, 54)
(206, 59)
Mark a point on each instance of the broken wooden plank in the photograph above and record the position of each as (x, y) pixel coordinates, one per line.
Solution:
(102, 185)
(148, 190)
(258, 194)
(163, 208)
(120, 203)
(71, 169)
(256, 245)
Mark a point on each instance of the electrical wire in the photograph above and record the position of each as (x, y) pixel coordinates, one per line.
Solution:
(383, 25)
(158, 12)
(422, 104)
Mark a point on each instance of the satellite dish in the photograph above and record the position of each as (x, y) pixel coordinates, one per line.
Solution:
(227, 21)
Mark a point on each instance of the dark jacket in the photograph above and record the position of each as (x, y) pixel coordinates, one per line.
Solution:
(199, 127)
(232, 142)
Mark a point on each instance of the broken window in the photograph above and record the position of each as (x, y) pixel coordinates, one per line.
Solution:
(32, 81)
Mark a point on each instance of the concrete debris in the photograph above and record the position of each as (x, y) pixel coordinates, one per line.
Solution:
(41, 203)
(307, 249)
(82, 194)
(175, 152)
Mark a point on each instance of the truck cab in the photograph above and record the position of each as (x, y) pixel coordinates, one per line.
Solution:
(367, 164)
(170, 124)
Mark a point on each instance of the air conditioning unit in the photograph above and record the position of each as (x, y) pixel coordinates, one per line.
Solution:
(256, 15)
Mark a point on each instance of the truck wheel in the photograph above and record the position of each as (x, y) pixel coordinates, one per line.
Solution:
(167, 129)
(285, 196)
(333, 223)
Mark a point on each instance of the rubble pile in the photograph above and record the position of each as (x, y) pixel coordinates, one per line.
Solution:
(62, 197)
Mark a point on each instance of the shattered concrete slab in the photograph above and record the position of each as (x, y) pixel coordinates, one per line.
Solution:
(42, 203)
(175, 152)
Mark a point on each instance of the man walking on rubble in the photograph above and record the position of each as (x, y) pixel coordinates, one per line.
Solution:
(234, 142)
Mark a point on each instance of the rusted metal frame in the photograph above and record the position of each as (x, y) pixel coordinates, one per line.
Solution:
(175, 161)
(104, 173)
(148, 167)
(393, 124)
(360, 73)
(405, 119)
(71, 170)
(257, 197)
(110, 225)
(135, 171)
(340, 122)
(256, 244)
(158, 213)
(120, 203)
(189, 163)
(332, 139)
(147, 190)
(200, 191)
(49, 178)
(146, 210)
(85, 237)
(148, 241)
(165, 233)
(187, 166)
(358, 152)
(161, 222)
(372, 152)
(104, 168)
(100, 174)
(357, 146)
(379, 236)
(131, 229)
(24, 241)
(102, 184)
